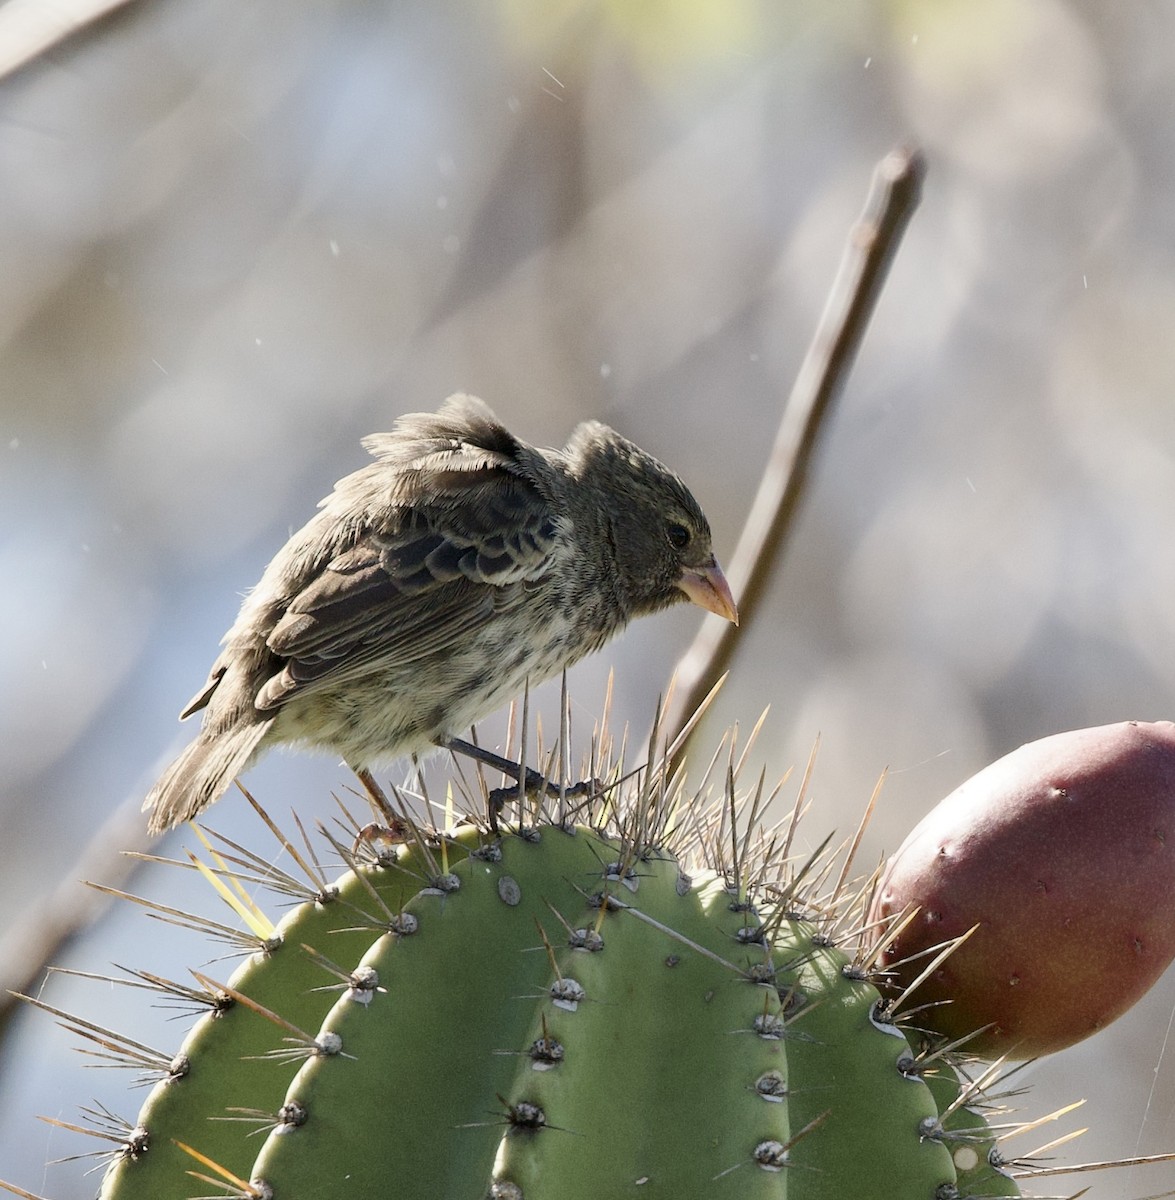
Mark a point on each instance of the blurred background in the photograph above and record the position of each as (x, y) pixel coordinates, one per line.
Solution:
(234, 238)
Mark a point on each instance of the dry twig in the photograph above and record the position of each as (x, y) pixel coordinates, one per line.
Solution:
(893, 196)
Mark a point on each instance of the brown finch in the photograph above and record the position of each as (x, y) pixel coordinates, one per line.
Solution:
(434, 585)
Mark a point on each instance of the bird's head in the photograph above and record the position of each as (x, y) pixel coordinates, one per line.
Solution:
(660, 538)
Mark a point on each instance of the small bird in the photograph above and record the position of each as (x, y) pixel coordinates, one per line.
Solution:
(433, 586)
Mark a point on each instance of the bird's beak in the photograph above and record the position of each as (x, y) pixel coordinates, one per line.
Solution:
(707, 587)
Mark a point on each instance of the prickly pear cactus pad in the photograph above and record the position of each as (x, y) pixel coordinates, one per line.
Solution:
(641, 993)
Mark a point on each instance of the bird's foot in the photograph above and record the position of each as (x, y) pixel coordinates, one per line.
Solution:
(536, 783)
(380, 839)
(528, 780)
(390, 829)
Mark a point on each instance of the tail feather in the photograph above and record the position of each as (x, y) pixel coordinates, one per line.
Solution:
(202, 773)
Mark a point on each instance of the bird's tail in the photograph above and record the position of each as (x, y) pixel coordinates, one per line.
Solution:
(202, 773)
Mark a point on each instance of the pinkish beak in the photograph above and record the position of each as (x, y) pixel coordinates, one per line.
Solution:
(707, 587)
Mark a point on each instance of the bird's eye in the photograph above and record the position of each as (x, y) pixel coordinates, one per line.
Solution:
(678, 536)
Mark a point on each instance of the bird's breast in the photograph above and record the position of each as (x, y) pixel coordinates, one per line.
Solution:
(389, 711)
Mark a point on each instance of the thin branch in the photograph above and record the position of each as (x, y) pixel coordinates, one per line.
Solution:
(41, 933)
(31, 28)
(894, 194)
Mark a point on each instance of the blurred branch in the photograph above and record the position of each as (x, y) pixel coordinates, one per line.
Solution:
(894, 193)
(33, 942)
(29, 28)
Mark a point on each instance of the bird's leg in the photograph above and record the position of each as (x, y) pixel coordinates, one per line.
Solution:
(497, 762)
(498, 797)
(534, 781)
(375, 793)
(392, 828)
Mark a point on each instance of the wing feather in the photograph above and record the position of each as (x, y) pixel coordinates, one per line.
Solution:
(470, 529)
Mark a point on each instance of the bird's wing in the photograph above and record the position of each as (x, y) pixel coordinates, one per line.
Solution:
(471, 532)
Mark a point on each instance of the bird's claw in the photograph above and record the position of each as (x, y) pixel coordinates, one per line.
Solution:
(375, 836)
(537, 784)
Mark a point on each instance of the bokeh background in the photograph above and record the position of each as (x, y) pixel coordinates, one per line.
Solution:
(234, 238)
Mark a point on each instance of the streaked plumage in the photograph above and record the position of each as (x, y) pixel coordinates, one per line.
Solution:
(432, 585)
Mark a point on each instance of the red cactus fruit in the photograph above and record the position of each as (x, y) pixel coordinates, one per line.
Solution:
(1063, 854)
